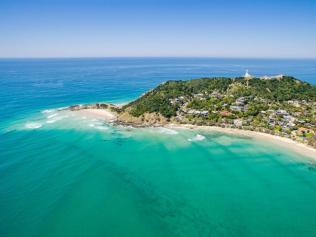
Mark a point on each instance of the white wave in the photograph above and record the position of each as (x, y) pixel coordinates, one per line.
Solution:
(122, 126)
(48, 111)
(61, 108)
(52, 120)
(33, 125)
(198, 137)
(52, 116)
(91, 125)
(55, 119)
(167, 131)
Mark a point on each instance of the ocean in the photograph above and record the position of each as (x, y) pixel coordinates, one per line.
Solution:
(68, 175)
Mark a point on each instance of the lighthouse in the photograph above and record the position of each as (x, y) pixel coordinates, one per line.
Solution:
(247, 77)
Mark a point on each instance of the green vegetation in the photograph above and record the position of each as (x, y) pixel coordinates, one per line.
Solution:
(284, 106)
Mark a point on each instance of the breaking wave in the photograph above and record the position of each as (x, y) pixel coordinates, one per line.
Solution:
(52, 116)
(48, 111)
(33, 125)
(198, 137)
(55, 119)
(167, 131)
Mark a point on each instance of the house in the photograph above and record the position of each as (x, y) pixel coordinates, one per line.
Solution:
(204, 112)
(295, 103)
(216, 94)
(225, 113)
(240, 101)
(238, 122)
(303, 131)
(289, 118)
(291, 125)
(281, 112)
(198, 112)
(199, 95)
(236, 108)
(174, 101)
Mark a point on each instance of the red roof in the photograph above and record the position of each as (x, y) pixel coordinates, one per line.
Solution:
(225, 113)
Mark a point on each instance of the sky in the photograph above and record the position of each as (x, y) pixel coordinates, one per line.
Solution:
(152, 28)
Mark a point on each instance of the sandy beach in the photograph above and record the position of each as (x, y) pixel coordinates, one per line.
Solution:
(105, 114)
(287, 143)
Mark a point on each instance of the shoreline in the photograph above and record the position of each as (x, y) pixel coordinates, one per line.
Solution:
(288, 143)
(297, 147)
(105, 114)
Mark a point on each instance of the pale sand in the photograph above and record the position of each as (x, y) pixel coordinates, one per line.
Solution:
(105, 114)
(287, 143)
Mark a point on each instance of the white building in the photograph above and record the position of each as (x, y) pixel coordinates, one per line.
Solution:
(198, 112)
(247, 75)
(280, 76)
(238, 122)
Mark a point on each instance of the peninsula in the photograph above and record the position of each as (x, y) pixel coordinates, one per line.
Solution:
(280, 105)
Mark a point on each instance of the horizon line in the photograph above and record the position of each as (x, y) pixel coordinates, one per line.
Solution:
(178, 57)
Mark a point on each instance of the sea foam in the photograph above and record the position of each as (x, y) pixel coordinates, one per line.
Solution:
(33, 125)
(52, 115)
(48, 111)
(55, 119)
(167, 131)
(52, 120)
(198, 137)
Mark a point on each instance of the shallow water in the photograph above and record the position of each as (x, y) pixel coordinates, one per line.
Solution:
(63, 174)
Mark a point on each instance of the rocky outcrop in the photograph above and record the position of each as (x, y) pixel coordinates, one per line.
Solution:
(123, 117)
(93, 106)
(145, 120)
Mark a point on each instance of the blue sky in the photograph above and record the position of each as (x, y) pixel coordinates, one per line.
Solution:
(213, 28)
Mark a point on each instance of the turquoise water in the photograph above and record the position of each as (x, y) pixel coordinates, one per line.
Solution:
(67, 174)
